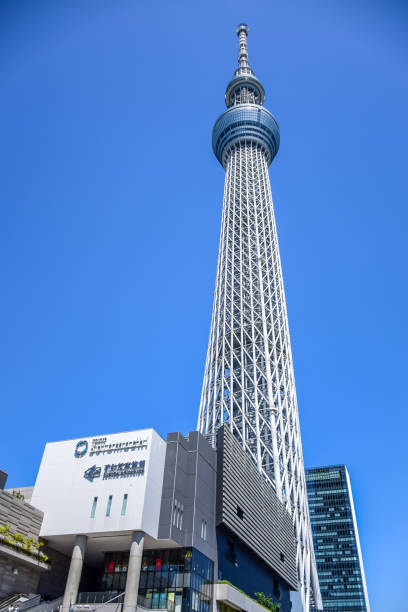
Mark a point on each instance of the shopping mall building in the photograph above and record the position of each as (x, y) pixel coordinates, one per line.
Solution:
(137, 522)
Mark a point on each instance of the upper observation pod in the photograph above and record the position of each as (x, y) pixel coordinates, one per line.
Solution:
(245, 119)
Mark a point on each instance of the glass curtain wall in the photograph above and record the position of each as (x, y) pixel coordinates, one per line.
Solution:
(115, 572)
(338, 555)
(174, 579)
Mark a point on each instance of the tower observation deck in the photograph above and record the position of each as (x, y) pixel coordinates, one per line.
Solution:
(249, 380)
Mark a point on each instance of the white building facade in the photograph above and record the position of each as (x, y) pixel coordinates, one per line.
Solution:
(103, 484)
(100, 494)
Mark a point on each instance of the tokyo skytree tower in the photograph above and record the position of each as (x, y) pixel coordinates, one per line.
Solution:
(249, 381)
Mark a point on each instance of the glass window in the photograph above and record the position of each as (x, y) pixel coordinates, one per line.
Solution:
(158, 564)
(150, 580)
(108, 507)
(172, 579)
(157, 581)
(175, 513)
(115, 571)
(170, 600)
(108, 581)
(178, 602)
(149, 595)
(164, 579)
(122, 582)
(194, 602)
(167, 580)
(143, 579)
(95, 501)
(155, 600)
(163, 599)
(124, 504)
(187, 578)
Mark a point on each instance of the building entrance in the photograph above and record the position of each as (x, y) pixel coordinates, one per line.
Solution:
(172, 579)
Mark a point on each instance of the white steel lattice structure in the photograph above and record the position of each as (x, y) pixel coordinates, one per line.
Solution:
(249, 381)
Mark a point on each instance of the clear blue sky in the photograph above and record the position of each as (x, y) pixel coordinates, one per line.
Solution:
(111, 203)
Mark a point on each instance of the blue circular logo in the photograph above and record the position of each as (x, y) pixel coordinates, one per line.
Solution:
(81, 448)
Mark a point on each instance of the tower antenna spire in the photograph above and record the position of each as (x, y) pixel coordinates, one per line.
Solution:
(243, 62)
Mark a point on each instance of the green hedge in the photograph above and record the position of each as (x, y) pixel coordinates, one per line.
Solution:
(22, 544)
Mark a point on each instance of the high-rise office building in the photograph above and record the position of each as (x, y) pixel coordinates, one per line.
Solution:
(336, 542)
(249, 381)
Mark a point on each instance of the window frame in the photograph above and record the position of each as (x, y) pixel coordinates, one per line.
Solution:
(109, 505)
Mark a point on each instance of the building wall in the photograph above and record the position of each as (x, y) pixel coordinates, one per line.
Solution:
(52, 583)
(25, 581)
(15, 575)
(240, 566)
(189, 486)
(249, 508)
(20, 515)
(336, 542)
(67, 484)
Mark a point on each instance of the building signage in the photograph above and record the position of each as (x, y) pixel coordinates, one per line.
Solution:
(115, 470)
(92, 472)
(81, 448)
(101, 446)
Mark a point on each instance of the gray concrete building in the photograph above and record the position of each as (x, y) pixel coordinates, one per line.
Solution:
(21, 563)
(187, 512)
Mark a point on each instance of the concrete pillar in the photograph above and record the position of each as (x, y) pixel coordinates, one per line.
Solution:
(75, 571)
(133, 573)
